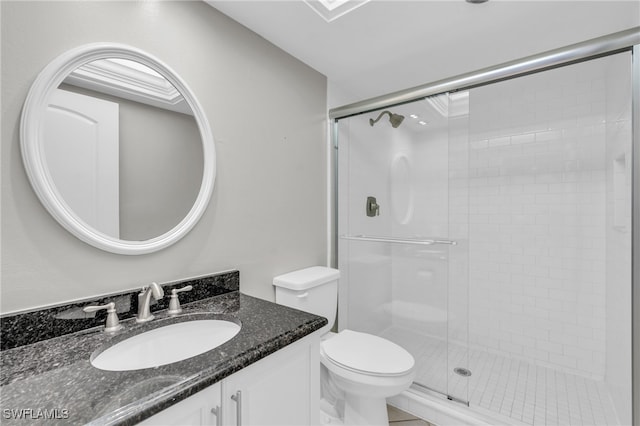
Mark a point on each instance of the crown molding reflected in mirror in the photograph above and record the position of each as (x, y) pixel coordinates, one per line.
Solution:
(102, 59)
(128, 80)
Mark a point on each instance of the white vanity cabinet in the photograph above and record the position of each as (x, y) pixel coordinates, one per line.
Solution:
(201, 409)
(280, 389)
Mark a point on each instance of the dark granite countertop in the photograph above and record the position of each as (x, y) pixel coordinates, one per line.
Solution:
(54, 377)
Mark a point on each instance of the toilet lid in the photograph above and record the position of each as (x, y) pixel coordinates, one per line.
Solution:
(367, 353)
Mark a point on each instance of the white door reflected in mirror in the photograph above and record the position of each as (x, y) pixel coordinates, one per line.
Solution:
(81, 151)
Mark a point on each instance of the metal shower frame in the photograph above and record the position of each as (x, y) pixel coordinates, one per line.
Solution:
(623, 41)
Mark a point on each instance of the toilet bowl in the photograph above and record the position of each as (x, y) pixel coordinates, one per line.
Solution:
(366, 369)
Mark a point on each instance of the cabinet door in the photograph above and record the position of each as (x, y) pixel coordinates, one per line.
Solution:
(281, 389)
(193, 411)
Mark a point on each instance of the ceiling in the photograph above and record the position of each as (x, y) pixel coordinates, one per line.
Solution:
(390, 45)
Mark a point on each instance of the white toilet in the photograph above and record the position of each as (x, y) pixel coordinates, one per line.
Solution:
(365, 368)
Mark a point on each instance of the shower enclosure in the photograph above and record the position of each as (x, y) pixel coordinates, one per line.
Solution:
(488, 230)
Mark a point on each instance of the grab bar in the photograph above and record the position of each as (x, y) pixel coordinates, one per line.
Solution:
(415, 241)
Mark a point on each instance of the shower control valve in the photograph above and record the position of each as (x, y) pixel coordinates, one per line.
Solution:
(373, 209)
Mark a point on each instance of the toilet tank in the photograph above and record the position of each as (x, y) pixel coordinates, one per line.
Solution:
(313, 290)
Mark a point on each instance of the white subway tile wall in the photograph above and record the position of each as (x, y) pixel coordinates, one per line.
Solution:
(537, 219)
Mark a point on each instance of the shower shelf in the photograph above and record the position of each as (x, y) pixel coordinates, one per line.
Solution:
(415, 241)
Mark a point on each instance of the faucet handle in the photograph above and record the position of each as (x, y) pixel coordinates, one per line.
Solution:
(113, 324)
(174, 302)
(179, 290)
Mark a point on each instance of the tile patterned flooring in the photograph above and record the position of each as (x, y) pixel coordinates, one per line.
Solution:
(400, 418)
(511, 388)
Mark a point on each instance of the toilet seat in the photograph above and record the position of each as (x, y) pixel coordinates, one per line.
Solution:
(367, 354)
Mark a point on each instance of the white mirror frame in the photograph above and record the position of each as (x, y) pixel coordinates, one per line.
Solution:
(32, 147)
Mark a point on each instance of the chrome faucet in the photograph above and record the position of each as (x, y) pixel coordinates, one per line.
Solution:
(144, 300)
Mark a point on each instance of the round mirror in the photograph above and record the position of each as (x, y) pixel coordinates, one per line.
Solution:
(117, 148)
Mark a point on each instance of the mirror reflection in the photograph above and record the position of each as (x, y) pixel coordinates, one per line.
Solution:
(123, 149)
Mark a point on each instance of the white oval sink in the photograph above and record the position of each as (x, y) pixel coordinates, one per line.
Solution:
(165, 345)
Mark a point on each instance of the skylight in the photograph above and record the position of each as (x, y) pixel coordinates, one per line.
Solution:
(333, 9)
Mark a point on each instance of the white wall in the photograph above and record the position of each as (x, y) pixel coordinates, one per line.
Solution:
(267, 111)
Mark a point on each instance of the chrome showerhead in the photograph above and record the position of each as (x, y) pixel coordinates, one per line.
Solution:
(394, 119)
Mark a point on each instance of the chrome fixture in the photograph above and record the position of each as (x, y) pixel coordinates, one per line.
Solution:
(395, 240)
(237, 398)
(553, 58)
(394, 119)
(174, 302)
(144, 300)
(113, 324)
(464, 372)
(217, 412)
(372, 208)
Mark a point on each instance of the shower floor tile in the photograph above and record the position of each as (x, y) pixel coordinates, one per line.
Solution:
(512, 388)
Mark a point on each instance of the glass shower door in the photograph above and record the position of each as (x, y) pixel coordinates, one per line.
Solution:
(395, 247)
(489, 233)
